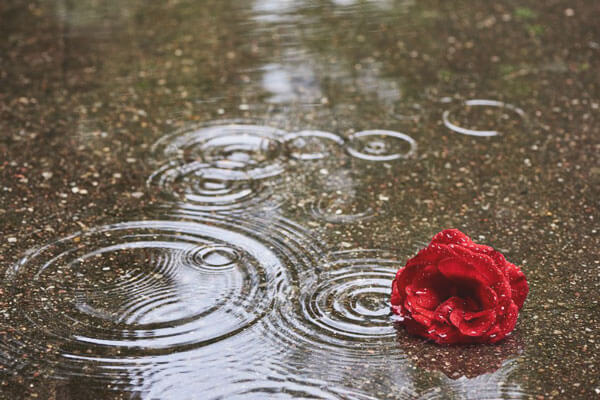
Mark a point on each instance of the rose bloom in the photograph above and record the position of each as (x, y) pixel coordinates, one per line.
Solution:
(457, 291)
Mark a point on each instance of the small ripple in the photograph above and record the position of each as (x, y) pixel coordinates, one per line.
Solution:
(381, 145)
(502, 118)
(313, 145)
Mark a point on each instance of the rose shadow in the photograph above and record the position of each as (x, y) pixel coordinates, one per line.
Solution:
(456, 361)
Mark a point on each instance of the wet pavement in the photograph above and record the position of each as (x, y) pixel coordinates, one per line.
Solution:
(210, 199)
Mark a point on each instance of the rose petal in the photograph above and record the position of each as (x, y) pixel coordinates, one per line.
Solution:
(423, 297)
(518, 284)
(474, 266)
(444, 334)
(421, 319)
(457, 270)
(430, 255)
(510, 319)
(442, 312)
(451, 236)
(476, 324)
(456, 317)
(396, 299)
(487, 297)
(415, 328)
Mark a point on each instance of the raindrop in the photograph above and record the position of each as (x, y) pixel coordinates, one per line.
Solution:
(381, 145)
(312, 145)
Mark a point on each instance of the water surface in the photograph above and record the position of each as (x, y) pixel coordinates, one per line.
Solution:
(210, 199)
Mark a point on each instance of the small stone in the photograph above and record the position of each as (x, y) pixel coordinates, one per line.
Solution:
(47, 175)
(137, 195)
(12, 240)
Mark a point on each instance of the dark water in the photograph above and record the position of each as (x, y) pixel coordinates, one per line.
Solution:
(210, 199)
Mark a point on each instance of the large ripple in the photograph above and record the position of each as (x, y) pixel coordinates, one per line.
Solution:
(136, 298)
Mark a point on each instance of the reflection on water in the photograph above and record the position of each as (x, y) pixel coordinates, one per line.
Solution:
(485, 387)
(295, 154)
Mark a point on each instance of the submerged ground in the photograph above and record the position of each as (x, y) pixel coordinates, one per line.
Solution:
(194, 202)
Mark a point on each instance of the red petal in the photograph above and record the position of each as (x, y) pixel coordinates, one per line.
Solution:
(456, 317)
(415, 328)
(487, 297)
(510, 319)
(457, 270)
(421, 319)
(476, 324)
(518, 284)
(451, 236)
(423, 297)
(466, 264)
(445, 334)
(396, 299)
(430, 255)
(442, 312)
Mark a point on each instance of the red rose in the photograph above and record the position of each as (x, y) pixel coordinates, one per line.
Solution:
(457, 291)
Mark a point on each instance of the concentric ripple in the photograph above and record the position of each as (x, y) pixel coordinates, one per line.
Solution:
(351, 301)
(381, 145)
(221, 167)
(313, 145)
(121, 298)
(344, 311)
(246, 151)
(494, 112)
(202, 187)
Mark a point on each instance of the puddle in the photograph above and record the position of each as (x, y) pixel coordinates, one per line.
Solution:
(187, 190)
